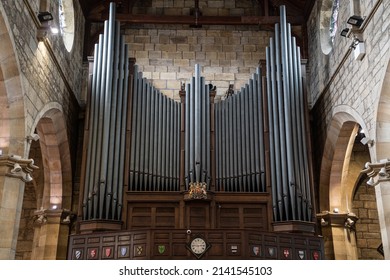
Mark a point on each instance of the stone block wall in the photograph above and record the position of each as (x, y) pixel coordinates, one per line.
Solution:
(338, 79)
(46, 80)
(167, 55)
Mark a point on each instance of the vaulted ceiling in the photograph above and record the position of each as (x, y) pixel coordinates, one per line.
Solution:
(265, 14)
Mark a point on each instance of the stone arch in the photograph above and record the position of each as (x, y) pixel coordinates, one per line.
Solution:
(383, 151)
(55, 192)
(12, 116)
(338, 181)
(12, 141)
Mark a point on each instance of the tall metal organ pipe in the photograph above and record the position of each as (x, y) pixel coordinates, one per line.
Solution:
(197, 131)
(155, 139)
(291, 189)
(239, 140)
(107, 117)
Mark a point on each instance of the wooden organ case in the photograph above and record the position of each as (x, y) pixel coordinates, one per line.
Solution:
(160, 176)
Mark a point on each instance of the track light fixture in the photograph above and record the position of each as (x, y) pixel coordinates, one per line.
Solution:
(356, 21)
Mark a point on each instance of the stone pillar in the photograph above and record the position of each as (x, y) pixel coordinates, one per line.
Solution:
(51, 234)
(14, 172)
(339, 233)
(382, 192)
(379, 177)
(11, 199)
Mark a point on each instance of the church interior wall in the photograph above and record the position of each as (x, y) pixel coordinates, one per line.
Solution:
(54, 79)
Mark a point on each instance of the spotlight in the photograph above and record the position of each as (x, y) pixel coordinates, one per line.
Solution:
(28, 177)
(355, 20)
(349, 222)
(323, 222)
(371, 182)
(32, 137)
(345, 32)
(45, 17)
(383, 172)
(367, 141)
(17, 168)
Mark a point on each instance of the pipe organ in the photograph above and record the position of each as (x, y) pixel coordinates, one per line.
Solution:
(158, 173)
(239, 140)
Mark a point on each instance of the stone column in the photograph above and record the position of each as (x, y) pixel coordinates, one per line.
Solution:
(51, 234)
(379, 177)
(14, 172)
(382, 192)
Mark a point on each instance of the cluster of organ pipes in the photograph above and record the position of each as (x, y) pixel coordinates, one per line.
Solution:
(289, 162)
(155, 139)
(106, 125)
(132, 125)
(239, 140)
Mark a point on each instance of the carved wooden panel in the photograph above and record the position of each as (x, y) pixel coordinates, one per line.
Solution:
(172, 244)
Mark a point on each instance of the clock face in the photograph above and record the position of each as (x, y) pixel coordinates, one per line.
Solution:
(198, 245)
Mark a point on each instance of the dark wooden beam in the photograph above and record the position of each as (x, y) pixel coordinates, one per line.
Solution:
(201, 20)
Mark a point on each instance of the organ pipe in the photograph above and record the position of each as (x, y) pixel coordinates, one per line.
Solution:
(288, 148)
(107, 118)
(240, 156)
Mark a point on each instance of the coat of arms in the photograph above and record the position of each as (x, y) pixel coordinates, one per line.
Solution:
(161, 249)
(286, 253)
(107, 252)
(197, 191)
(301, 254)
(77, 254)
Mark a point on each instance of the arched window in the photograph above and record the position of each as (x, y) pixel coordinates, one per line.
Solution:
(328, 24)
(66, 20)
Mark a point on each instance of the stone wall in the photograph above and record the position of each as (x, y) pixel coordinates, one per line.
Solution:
(167, 54)
(338, 79)
(49, 74)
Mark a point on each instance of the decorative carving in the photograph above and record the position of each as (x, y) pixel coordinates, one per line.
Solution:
(18, 167)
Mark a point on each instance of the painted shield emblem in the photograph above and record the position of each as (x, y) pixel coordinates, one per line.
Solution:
(316, 255)
(286, 253)
(301, 254)
(256, 250)
(123, 251)
(92, 253)
(271, 251)
(107, 252)
(77, 254)
(139, 250)
(161, 249)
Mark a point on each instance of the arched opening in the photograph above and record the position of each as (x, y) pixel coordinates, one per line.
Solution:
(12, 142)
(383, 152)
(341, 191)
(43, 233)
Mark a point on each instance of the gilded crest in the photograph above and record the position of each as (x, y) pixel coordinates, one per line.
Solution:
(198, 191)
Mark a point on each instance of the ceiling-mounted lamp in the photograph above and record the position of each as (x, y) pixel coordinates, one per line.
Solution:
(45, 16)
(355, 21)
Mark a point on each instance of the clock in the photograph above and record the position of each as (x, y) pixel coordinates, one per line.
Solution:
(198, 246)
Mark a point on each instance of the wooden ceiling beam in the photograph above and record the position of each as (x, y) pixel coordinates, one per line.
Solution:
(201, 20)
